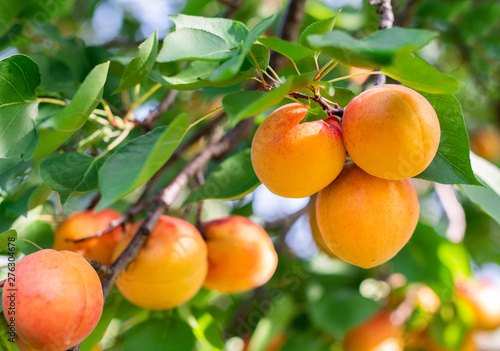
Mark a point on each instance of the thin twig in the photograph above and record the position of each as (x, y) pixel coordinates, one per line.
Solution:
(386, 21)
(330, 110)
(149, 122)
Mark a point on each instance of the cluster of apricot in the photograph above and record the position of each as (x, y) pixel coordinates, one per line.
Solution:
(366, 210)
(59, 299)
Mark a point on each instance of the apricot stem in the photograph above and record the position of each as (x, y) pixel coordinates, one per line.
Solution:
(53, 101)
(337, 110)
(30, 242)
(354, 75)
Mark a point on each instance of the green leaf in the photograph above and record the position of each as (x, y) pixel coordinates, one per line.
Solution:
(341, 96)
(7, 237)
(277, 321)
(293, 51)
(245, 104)
(111, 306)
(314, 113)
(451, 165)
(38, 232)
(419, 261)
(137, 161)
(71, 172)
(9, 9)
(233, 32)
(231, 67)
(232, 179)
(487, 198)
(341, 309)
(5, 343)
(160, 335)
(418, 74)
(193, 44)
(56, 130)
(374, 50)
(19, 77)
(193, 77)
(141, 66)
(319, 28)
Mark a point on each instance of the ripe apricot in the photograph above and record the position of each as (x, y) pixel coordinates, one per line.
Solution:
(391, 131)
(485, 142)
(484, 299)
(357, 70)
(296, 160)
(377, 333)
(241, 255)
(169, 269)
(86, 223)
(57, 302)
(316, 234)
(366, 220)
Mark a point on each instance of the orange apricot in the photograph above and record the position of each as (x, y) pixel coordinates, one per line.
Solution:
(84, 224)
(316, 234)
(377, 333)
(484, 299)
(485, 142)
(358, 70)
(57, 300)
(241, 255)
(169, 269)
(366, 220)
(296, 160)
(391, 132)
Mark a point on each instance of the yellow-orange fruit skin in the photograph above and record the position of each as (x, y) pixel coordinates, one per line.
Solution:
(58, 300)
(241, 255)
(316, 234)
(296, 160)
(486, 143)
(86, 223)
(391, 132)
(366, 220)
(378, 333)
(484, 299)
(169, 269)
(357, 70)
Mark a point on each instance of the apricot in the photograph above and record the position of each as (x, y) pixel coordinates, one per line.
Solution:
(377, 333)
(484, 300)
(485, 142)
(169, 269)
(316, 234)
(241, 255)
(57, 300)
(391, 132)
(84, 224)
(366, 220)
(296, 160)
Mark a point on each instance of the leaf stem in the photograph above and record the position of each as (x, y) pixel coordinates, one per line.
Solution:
(354, 75)
(30, 242)
(53, 101)
(202, 118)
(324, 72)
(259, 71)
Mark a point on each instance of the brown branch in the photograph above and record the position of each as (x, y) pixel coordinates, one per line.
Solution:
(168, 195)
(290, 29)
(404, 18)
(329, 109)
(386, 21)
(149, 122)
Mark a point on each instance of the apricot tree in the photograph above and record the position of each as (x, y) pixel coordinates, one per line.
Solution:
(250, 175)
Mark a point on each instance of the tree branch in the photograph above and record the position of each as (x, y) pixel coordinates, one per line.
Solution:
(149, 122)
(289, 30)
(330, 110)
(386, 21)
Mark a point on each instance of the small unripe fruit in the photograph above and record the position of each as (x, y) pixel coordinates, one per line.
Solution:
(241, 255)
(366, 220)
(84, 224)
(57, 302)
(169, 269)
(296, 160)
(391, 132)
(375, 334)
